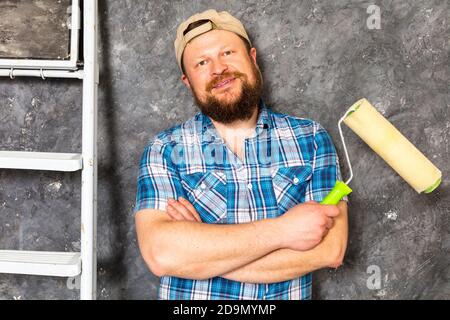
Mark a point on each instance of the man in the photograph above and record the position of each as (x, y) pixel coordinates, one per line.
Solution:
(227, 202)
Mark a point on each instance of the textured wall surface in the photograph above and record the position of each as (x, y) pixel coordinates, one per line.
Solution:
(317, 58)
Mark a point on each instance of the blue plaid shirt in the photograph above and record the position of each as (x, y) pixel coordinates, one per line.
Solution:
(288, 160)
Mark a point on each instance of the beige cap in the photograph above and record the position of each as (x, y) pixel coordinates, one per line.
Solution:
(217, 20)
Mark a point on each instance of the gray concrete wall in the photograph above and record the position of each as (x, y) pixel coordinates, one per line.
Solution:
(317, 59)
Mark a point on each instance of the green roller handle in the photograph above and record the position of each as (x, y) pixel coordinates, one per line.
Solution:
(340, 190)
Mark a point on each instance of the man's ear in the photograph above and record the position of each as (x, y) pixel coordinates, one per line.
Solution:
(252, 54)
(185, 80)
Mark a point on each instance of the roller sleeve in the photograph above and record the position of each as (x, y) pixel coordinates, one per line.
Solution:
(393, 147)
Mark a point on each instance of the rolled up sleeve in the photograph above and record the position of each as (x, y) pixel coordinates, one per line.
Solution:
(158, 178)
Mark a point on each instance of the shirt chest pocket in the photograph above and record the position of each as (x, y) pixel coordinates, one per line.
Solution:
(207, 191)
(289, 185)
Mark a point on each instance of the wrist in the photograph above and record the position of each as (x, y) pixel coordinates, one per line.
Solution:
(281, 232)
(269, 233)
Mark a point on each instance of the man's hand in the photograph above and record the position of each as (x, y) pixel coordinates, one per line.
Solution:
(305, 225)
(182, 210)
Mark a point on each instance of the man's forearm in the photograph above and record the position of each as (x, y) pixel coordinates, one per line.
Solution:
(286, 264)
(198, 251)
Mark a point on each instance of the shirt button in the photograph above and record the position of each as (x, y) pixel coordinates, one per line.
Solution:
(249, 186)
(203, 185)
(296, 181)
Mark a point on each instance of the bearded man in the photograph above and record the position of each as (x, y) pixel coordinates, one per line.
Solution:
(227, 203)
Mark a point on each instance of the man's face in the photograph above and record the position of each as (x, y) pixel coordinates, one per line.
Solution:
(223, 76)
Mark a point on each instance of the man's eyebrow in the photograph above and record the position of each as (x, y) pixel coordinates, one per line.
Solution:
(227, 46)
(199, 57)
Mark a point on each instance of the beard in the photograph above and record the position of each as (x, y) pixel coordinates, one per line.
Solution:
(241, 107)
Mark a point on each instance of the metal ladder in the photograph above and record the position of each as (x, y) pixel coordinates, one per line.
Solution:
(81, 264)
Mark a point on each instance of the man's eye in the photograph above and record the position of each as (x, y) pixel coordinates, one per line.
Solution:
(202, 63)
(227, 53)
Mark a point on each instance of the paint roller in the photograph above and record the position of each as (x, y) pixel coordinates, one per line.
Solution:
(389, 144)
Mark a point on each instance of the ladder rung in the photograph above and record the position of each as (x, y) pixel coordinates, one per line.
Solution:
(44, 74)
(40, 161)
(44, 263)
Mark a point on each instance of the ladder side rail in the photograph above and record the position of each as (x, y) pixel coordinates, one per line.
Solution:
(89, 150)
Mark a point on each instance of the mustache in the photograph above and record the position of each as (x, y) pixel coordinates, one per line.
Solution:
(218, 79)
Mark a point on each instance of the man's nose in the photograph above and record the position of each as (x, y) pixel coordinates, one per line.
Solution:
(218, 67)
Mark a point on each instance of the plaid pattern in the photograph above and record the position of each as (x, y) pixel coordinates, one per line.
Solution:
(288, 160)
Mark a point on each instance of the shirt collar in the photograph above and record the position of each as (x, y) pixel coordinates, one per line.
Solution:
(210, 133)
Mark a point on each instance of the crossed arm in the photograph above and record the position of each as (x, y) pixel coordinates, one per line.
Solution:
(263, 251)
(285, 264)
